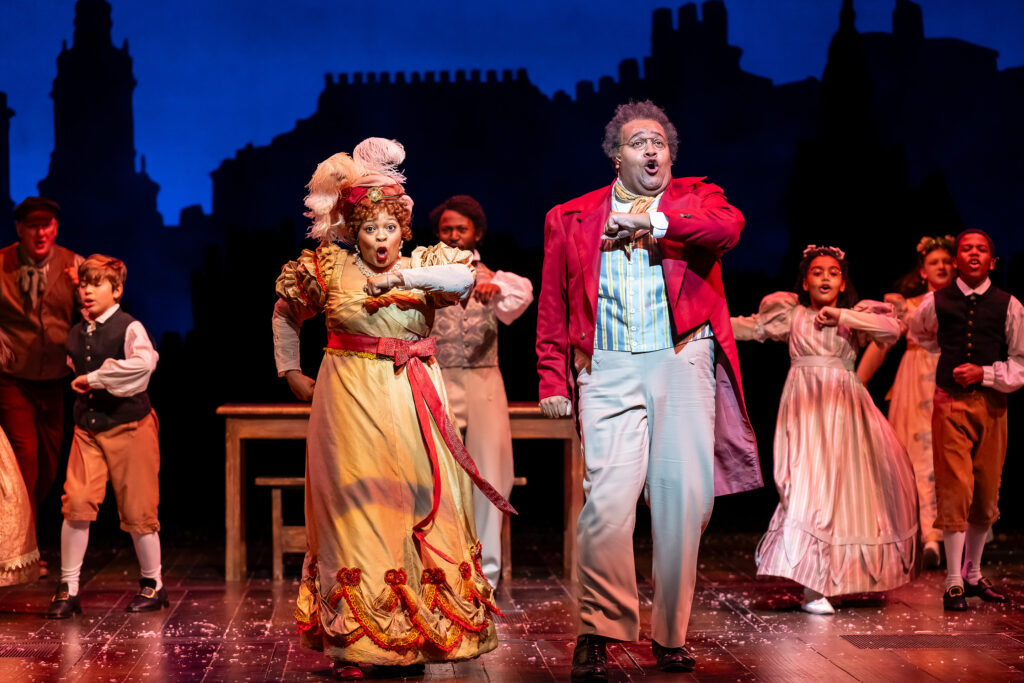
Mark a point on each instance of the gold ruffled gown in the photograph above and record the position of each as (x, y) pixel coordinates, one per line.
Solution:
(19, 557)
(370, 593)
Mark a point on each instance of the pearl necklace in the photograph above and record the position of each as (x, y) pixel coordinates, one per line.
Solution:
(365, 269)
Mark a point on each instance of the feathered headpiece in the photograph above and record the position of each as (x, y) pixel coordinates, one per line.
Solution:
(373, 164)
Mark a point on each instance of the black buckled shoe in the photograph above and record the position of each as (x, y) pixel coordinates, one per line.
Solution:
(148, 599)
(590, 660)
(672, 658)
(63, 605)
(953, 599)
(984, 590)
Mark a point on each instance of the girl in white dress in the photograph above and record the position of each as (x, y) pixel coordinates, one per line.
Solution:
(847, 515)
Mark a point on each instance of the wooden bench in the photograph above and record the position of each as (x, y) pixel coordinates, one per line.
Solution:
(251, 421)
(292, 539)
(284, 539)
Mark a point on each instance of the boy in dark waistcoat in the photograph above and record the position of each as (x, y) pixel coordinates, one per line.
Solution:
(978, 330)
(115, 436)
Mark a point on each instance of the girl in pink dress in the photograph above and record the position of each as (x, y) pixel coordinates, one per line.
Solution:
(847, 515)
(910, 398)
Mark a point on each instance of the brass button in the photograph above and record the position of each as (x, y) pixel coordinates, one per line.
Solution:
(583, 335)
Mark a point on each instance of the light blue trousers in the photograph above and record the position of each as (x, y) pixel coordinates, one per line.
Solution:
(648, 423)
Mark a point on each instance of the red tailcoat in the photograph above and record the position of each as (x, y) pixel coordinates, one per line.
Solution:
(702, 226)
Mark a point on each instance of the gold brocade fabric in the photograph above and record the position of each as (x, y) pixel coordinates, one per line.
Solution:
(369, 593)
(19, 558)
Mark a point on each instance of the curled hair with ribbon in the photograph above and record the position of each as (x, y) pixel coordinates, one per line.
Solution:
(930, 244)
(813, 250)
(912, 283)
(848, 297)
(341, 182)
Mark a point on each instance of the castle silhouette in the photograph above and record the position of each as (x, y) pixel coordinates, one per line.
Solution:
(903, 135)
(931, 119)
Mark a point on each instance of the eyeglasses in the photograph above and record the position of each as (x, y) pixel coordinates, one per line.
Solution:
(640, 144)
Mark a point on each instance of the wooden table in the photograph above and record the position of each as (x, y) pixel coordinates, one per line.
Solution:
(245, 421)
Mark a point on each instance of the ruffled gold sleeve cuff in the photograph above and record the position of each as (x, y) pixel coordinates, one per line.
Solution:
(439, 254)
(303, 282)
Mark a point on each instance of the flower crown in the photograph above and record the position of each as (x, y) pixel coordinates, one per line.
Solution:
(927, 244)
(814, 249)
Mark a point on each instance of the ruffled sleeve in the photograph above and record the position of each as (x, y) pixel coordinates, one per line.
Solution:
(439, 254)
(872, 321)
(772, 321)
(303, 282)
(445, 273)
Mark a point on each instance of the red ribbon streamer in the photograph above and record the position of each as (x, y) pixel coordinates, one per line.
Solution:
(428, 405)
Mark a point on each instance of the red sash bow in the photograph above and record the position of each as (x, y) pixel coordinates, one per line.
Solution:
(428, 405)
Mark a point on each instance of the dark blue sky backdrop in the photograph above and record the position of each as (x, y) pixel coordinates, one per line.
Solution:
(216, 75)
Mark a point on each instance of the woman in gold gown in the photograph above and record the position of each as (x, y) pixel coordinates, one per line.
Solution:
(392, 574)
(19, 557)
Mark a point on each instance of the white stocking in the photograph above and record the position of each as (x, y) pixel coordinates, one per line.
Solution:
(147, 549)
(972, 557)
(74, 539)
(954, 543)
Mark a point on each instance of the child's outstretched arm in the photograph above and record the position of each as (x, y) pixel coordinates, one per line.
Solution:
(773, 319)
(874, 320)
(745, 328)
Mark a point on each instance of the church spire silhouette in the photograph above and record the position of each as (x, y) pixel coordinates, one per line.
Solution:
(92, 168)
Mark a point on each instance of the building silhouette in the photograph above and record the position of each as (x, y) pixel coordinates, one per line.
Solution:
(903, 135)
(6, 204)
(106, 202)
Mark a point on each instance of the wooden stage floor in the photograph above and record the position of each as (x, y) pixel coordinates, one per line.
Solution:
(741, 629)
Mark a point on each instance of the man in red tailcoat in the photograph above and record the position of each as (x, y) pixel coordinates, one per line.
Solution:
(633, 330)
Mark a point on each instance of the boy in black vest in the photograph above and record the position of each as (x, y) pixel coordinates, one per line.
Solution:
(978, 329)
(115, 436)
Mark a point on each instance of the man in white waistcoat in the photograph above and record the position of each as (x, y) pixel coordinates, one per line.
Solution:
(467, 350)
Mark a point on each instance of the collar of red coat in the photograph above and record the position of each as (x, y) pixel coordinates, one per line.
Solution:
(602, 197)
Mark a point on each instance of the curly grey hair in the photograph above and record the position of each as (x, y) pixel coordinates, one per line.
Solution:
(632, 111)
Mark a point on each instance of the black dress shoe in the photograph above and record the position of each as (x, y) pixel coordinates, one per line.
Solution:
(148, 599)
(63, 605)
(984, 590)
(590, 660)
(953, 599)
(672, 658)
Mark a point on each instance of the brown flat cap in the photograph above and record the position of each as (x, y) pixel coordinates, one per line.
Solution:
(21, 211)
